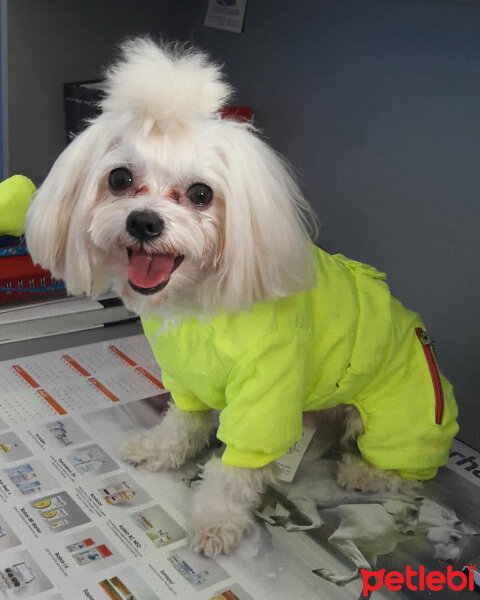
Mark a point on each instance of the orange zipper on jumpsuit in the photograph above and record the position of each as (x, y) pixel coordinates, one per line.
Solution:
(429, 352)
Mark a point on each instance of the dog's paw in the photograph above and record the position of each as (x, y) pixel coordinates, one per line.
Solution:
(214, 534)
(353, 473)
(148, 452)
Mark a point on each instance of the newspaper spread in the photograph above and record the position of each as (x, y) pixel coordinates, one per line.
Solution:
(76, 522)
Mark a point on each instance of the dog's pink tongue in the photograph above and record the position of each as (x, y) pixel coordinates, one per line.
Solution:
(149, 270)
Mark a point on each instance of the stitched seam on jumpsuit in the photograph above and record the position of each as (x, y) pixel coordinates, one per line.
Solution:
(356, 400)
(355, 337)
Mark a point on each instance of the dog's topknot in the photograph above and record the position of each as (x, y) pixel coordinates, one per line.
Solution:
(163, 85)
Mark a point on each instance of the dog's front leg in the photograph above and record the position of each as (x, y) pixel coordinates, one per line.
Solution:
(180, 436)
(223, 504)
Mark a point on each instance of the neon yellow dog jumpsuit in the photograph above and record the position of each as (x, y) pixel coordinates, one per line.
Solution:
(345, 341)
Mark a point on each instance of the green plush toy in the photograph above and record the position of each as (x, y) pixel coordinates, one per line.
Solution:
(15, 194)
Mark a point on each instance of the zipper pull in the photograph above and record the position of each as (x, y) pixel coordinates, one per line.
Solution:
(423, 337)
(425, 340)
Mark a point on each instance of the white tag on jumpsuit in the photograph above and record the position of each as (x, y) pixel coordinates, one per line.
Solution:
(289, 462)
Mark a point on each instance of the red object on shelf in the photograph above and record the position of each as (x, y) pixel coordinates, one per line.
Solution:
(26, 281)
(238, 113)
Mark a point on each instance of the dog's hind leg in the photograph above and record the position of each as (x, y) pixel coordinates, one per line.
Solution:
(180, 436)
(355, 474)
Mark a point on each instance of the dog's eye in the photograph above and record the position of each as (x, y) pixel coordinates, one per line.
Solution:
(200, 194)
(120, 179)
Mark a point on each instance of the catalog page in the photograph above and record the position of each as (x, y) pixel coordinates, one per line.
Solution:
(77, 522)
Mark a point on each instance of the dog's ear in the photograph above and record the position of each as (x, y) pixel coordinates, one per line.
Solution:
(56, 220)
(268, 251)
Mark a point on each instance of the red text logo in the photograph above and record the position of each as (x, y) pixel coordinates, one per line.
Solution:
(417, 580)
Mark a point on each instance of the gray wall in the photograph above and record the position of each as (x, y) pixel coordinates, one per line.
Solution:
(3, 83)
(50, 42)
(376, 103)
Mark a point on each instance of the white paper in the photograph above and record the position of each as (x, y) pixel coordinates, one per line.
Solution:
(226, 14)
(77, 522)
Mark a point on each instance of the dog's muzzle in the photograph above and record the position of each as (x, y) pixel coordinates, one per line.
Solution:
(148, 272)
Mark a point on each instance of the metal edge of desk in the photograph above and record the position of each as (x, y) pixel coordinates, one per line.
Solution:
(51, 343)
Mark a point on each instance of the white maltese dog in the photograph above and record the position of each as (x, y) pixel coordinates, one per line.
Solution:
(202, 230)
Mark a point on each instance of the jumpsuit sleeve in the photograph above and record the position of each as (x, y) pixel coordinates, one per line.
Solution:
(183, 399)
(265, 395)
(181, 396)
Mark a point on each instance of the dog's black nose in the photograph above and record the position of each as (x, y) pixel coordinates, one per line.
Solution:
(144, 225)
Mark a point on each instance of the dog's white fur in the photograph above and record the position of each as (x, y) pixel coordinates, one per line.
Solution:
(160, 119)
